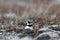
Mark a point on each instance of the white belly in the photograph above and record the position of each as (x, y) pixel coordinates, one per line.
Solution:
(27, 27)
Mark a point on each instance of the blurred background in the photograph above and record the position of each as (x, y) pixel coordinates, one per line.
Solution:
(14, 16)
(14, 10)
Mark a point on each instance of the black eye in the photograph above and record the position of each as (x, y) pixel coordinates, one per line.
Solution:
(29, 22)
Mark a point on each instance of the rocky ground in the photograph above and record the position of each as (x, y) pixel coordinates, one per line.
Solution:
(16, 36)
